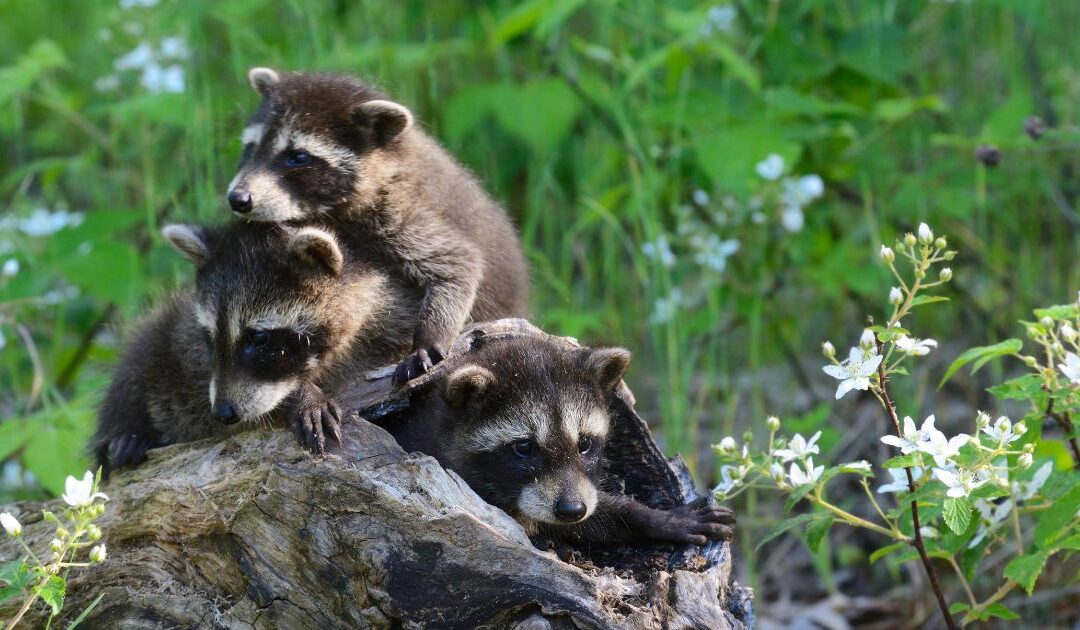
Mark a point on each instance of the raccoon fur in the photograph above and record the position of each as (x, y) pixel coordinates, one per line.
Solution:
(326, 149)
(524, 423)
(278, 319)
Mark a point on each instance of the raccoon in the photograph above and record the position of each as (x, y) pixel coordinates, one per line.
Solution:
(328, 149)
(278, 319)
(524, 423)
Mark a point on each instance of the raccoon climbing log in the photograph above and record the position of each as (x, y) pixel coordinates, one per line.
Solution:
(253, 531)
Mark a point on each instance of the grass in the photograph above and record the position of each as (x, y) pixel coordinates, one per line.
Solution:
(595, 123)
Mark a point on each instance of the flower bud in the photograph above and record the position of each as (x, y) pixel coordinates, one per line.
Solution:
(48, 516)
(776, 471)
(926, 235)
(940, 242)
(727, 445)
(55, 545)
(896, 297)
(949, 255)
(867, 340)
(11, 525)
(1020, 428)
(920, 274)
(988, 154)
(93, 532)
(747, 437)
(1056, 348)
(1029, 447)
(909, 239)
(975, 441)
(982, 420)
(945, 274)
(1068, 332)
(1024, 461)
(828, 350)
(97, 554)
(887, 254)
(1031, 362)
(773, 423)
(1047, 322)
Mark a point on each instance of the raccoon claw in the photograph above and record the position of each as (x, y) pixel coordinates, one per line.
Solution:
(314, 419)
(417, 363)
(128, 450)
(696, 523)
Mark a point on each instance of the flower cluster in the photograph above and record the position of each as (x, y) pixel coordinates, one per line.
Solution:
(45, 577)
(794, 193)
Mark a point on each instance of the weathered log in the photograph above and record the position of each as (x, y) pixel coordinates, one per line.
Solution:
(253, 531)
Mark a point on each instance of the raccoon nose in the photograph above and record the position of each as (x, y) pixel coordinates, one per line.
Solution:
(569, 511)
(240, 201)
(225, 413)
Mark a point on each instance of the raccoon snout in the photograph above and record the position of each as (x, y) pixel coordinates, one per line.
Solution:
(240, 201)
(570, 510)
(225, 413)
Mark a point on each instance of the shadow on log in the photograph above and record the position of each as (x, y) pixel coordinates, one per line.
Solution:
(254, 532)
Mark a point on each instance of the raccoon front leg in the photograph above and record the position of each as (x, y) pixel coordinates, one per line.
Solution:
(314, 417)
(450, 273)
(619, 519)
(124, 432)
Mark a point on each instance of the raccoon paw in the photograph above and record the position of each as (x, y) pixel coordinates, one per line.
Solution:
(314, 418)
(417, 363)
(128, 450)
(695, 523)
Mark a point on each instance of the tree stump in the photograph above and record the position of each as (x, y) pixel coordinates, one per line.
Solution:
(252, 531)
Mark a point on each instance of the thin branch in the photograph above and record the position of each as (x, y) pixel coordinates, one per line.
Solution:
(890, 409)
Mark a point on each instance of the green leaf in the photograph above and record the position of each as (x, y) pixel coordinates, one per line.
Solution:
(52, 593)
(728, 155)
(560, 107)
(816, 532)
(1024, 570)
(997, 610)
(1053, 521)
(884, 551)
(734, 62)
(1025, 387)
(15, 577)
(797, 495)
(1060, 311)
(980, 355)
(791, 523)
(12, 435)
(1072, 542)
(903, 461)
(959, 607)
(927, 299)
(957, 514)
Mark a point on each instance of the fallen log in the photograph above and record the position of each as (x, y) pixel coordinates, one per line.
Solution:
(252, 531)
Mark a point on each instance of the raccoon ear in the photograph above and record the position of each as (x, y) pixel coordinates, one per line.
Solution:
(317, 247)
(263, 79)
(386, 118)
(189, 240)
(608, 365)
(466, 385)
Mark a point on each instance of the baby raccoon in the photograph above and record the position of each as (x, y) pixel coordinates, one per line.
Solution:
(524, 422)
(278, 318)
(328, 149)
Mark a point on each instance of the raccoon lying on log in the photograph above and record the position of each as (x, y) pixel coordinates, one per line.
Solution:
(327, 149)
(252, 532)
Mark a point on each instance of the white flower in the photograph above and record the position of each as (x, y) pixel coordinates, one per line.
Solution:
(808, 474)
(666, 308)
(771, 168)
(139, 58)
(713, 252)
(11, 525)
(730, 478)
(660, 250)
(1025, 491)
(791, 217)
(912, 439)
(812, 186)
(1025, 461)
(896, 297)
(727, 445)
(962, 482)
(3, 340)
(700, 197)
(157, 79)
(1068, 332)
(1071, 367)
(926, 235)
(867, 339)
(81, 493)
(11, 267)
(174, 47)
(798, 448)
(1003, 431)
(97, 553)
(887, 254)
(899, 480)
(129, 4)
(991, 516)
(860, 466)
(928, 532)
(719, 19)
(855, 371)
(776, 471)
(941, 449)
(107, 83)
(915, 347)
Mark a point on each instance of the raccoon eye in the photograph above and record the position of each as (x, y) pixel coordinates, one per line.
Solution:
(258, 338)
(585, 444)
(522, 448)
(297, 158)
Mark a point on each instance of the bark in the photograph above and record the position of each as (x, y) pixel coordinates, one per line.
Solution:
(254, 532)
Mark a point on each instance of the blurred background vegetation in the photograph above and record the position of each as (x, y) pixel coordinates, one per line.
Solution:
(631, 143)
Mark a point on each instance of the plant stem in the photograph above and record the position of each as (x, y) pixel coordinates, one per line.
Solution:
(890, 409)
(851, 519)
(22, 611)
(967, 587)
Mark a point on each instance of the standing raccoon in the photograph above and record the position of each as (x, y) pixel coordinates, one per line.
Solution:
(328, 149)
(524, 422)
(278, 319)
